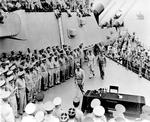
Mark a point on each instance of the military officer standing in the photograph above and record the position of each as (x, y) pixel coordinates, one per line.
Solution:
(79, 79)
(101, 63)
(91, 63)
(62, 67)
(21, 86)
(50, 68)
(57, 70)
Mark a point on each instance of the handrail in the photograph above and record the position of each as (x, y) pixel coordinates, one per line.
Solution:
(141, 71)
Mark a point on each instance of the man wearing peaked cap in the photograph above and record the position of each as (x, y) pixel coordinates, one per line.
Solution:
(49, 117)
(50, 68)
(79, 80)
(44, 74)
(21, 85)
(58, 109)
(7, 112)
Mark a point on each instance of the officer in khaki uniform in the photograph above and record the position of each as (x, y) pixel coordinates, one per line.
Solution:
(91, 63)
(57, 70)
(44, 74)
(29, 86)
(50, 68)
(62, 67)
(21, 86)
(79, 80)
(72, 64)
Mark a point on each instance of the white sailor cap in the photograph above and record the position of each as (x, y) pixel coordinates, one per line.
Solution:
(2, 82)
(49, 106)
(95, 102)
(21, 73)
(99, 111)
(30, 108)
(9, 72)
(10, 78)
(13, 67)
(39, 116)
(57, 101)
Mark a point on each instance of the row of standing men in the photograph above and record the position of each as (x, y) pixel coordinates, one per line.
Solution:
(26, 75)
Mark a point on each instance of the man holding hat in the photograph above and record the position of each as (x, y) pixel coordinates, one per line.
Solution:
(6, 114)
(49, 117)
(79, 79)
